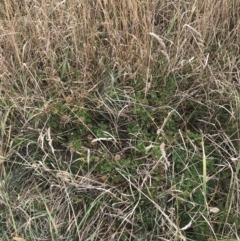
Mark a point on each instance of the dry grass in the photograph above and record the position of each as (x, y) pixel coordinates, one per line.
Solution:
(107, 111)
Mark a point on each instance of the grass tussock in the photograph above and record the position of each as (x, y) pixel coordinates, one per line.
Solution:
(119, 120)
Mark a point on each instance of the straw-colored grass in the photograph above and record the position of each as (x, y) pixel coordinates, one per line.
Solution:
(119, 120)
